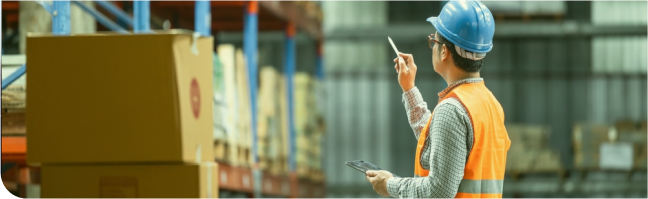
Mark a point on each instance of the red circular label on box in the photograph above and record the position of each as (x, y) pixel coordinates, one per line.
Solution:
(194, 93)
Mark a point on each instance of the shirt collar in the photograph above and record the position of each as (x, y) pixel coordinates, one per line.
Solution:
(456, 84)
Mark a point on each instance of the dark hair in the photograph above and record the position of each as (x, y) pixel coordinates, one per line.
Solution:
(465, 64)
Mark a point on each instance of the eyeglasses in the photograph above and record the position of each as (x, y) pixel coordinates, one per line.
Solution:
(431, 39)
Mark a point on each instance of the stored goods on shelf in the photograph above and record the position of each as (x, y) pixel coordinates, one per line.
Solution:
(270, 143)
(589, 149)
(130, 181)
(13, 97)
(626, 125)
(118, 100)
(244, 110)
(587, 139)
(530, 151)
(643, 126)
(308, 126)
(230, 100)
(13, 122)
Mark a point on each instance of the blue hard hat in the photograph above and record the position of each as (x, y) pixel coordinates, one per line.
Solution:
(467, 24)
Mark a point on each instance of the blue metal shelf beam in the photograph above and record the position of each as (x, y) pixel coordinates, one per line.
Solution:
(100, 18)
(289, 70)
(14, 76)
(250, 45)
(142, 11)
(203, 18)
(61, 18)
(110, 7)
(60, 11)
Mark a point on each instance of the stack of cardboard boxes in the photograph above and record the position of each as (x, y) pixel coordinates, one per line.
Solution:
(232, 137)
(308, 131)
(587, 140)
(270, 140)
(13, 110)
(634, 133)
(530, 151)
(122, 115)
(600, 146)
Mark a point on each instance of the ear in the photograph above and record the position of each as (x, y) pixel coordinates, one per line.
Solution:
(444, 53)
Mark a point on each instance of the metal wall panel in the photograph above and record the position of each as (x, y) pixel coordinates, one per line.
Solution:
(616, 99)
(506, 64)
(363, 115)
(644, 102)
(402, 136)
(533, 55)
(556, 55)
(633, 97)
(558, 116)
(346, 132)
(642, 50)
(580, 100)
(580, 55)
(534, 102)
(333, 135)
(383, 145)
(599, 97)
(599, 61)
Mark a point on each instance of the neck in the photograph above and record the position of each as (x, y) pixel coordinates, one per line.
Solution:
(454, 77)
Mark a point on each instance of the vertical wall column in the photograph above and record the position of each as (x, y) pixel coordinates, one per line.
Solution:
(142, 12)
(61, 18)
(289, 71)
(202, 18)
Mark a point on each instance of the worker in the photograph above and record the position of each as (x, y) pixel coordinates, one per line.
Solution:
(462, 143)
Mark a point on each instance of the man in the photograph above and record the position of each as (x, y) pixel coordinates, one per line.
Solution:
(462, 144)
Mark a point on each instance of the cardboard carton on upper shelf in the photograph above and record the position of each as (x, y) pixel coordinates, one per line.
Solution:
(130, 181)
(111, 97)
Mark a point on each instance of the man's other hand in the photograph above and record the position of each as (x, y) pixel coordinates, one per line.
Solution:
(405, 77)
(378, 180)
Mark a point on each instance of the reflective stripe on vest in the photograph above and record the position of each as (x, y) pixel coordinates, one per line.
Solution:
(484, 170)
(481, 186)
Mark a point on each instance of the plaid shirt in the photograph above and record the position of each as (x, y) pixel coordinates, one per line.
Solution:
(445, 152)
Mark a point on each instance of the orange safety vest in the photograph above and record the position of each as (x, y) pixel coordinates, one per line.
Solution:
(484, 172)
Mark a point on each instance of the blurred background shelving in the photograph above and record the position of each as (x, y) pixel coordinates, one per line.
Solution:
(570, 75)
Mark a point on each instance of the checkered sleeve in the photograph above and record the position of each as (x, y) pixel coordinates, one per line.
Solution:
(417, 111)
(448, 154)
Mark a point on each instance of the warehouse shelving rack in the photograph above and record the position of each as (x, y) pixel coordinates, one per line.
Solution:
(251, 17)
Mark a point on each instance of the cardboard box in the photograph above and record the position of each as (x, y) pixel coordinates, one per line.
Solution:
(131, 181)
(120, 98)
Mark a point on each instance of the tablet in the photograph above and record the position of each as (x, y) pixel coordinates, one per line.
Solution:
(364, 166)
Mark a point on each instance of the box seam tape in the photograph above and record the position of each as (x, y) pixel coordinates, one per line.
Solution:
(194, 43)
